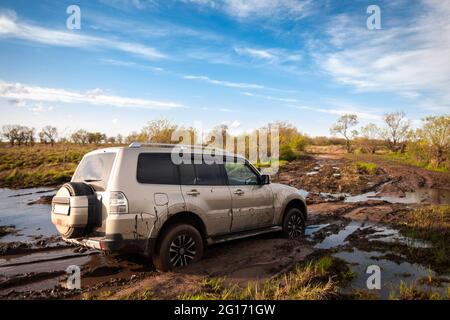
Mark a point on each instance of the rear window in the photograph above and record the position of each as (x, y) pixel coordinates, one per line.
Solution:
(95, 170)
(208, 174)
(157, 168)
(199, 173)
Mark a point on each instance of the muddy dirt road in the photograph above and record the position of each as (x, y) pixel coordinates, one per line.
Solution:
(354, 215)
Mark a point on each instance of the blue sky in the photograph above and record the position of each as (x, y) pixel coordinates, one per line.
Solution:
(243, 63)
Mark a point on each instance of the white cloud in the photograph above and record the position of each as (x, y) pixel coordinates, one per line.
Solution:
(269, 55)
(11, 27)
(409, 59)
(243, 9)
(39, 108)
(21, 92)
(235, 124)
(130, 64)
(224, 83)
(289, 100)
(341, 111)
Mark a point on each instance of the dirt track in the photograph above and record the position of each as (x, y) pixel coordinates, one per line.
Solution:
(256, 259)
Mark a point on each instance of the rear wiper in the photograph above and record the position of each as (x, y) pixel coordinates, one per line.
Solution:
(92, 180)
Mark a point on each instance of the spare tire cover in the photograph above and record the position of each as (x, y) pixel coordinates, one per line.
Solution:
(73, 189)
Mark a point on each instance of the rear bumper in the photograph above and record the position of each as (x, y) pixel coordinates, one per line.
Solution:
(115, 243)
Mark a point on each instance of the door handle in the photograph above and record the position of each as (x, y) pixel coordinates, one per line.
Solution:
(239, 192)
(193, 192)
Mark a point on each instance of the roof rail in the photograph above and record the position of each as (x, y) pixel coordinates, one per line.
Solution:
(170, 145)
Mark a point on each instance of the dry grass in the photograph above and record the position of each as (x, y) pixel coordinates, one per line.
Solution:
(39, 165)
(317, 280)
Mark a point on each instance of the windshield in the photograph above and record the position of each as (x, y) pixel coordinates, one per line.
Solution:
(95, 170)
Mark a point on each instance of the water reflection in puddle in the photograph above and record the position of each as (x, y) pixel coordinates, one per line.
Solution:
(338, 239)
(421, 195)
(29, 220)
(392, 273)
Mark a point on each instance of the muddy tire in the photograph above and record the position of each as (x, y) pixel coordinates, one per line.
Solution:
(75, 189)
(179, 246)
(293, 224)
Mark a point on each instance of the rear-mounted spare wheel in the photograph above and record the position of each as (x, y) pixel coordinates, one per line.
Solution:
(75, 210)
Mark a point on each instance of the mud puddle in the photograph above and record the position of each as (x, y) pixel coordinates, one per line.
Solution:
(393, 273)
(29, 221)
(420, 195)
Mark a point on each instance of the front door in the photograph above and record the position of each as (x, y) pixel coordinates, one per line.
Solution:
(251, 201)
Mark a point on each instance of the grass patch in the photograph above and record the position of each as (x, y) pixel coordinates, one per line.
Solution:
(316, 280)
(145, 294)
(414, 292)
(39, 165)
(404, 158)
(431, 223)
(366, 167)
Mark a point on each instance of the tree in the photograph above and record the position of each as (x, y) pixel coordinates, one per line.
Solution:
(343, 126)
(96, 137)
(218, 137)
(369, 135)
(111, 140)
(436, 132)
(397, 131)
(11, 132)
(48, 134)
(159, 131)
(119, 139)
(29, 135)
(79, 136)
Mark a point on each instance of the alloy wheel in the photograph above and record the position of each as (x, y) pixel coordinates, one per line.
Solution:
(182, 250)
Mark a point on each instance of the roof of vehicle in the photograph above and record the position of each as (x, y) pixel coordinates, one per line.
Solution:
(165, 148)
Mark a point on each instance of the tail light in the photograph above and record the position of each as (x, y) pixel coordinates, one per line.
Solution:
(118, 203)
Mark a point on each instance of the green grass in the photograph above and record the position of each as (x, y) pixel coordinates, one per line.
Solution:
(366, 167)
(315, 280)
(405, 158)
(39, 165)
(431, 223)
(414, 292)
(145, 294)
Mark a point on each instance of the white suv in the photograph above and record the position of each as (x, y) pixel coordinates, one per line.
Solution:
(140, 198)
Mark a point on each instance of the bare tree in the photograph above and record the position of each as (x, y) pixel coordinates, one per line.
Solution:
(11, 132)
(79, 136)
(368, 137)
(397, 131)
(158, 131)
(436, 132)
(96, 137)
(343, 126)
(119, 139)
(111, 140)
(218, 137)
(48, 134)
(29, 135)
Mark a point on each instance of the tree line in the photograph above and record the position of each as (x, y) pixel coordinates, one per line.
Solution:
(429, 143)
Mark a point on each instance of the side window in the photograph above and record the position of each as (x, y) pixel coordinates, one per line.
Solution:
(157, 168)
(208, 174)
(187, 174)
(240, 174)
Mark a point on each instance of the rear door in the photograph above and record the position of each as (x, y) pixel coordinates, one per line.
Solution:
(205, 192)
(252, 202)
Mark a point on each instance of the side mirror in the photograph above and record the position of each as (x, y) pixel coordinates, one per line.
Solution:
(265, 179)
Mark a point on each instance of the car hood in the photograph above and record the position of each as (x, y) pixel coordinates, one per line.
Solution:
(279, 188)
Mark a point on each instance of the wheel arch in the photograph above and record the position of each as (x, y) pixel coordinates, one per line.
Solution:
(296, 203)
(186, 217)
